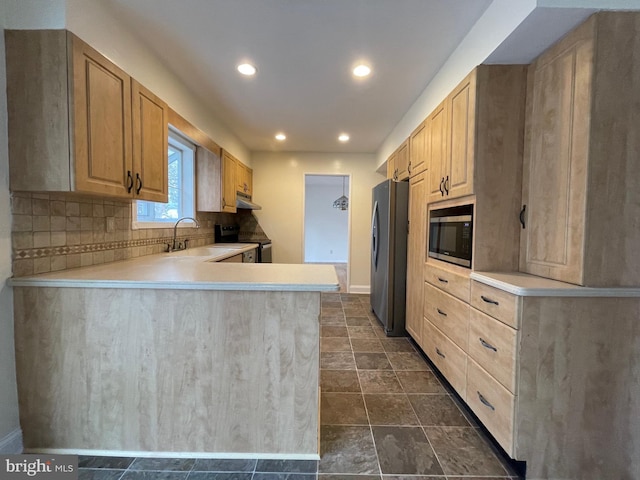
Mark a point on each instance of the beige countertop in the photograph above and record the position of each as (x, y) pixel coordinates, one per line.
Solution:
(192, 269)
(526, 285)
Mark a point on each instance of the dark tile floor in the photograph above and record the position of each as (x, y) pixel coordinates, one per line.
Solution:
(384, 416)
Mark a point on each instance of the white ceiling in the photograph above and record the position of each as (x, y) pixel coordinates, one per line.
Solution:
(304, 51)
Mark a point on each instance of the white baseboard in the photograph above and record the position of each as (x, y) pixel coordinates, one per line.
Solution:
(11, 444)
(359, 289)
(135, 453)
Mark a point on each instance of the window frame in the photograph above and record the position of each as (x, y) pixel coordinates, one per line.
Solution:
(188, 165)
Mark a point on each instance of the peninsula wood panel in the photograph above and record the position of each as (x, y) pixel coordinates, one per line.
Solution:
(168, 370)
(416, 251)
(150, 145)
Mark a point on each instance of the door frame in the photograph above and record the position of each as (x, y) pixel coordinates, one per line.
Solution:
(304, 199)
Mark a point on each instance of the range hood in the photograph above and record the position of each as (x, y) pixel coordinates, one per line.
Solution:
(244, 201)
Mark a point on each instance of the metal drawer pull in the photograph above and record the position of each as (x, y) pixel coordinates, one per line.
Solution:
(488, 300)
(440, 353)
(441, 312)
(487, 345)
(485, 402)
(443, 280)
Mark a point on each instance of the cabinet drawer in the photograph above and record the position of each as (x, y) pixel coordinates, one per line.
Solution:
(493, 404)
(447, 313)
(446, 355)
(496, 303)
(451, 282)
(492, 344)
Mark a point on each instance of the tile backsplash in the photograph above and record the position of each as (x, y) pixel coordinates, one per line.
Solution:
(57, 231)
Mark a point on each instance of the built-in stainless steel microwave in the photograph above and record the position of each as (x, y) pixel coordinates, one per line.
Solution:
(451, 234)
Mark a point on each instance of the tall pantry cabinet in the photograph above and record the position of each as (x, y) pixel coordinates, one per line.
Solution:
(580, 186)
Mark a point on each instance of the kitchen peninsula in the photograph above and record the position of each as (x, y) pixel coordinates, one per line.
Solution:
(171, 354)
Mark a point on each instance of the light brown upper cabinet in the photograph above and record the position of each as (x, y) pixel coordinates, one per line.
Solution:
(244, 176)
(402, 161)
(398, 163)
(150, 145)
(419, 149)
(71, 124)
(581, 186)
(454, 142)
(391, 166)
(437, 145)
(229, 163)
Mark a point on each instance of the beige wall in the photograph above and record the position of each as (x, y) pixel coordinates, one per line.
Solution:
(278, 185)
(10, 439)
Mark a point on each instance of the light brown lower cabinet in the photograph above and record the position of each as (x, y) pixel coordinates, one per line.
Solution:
(551, 370)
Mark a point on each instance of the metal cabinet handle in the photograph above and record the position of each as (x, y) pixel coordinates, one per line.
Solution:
(446, 185)
(524, 209)
(443, 280)
(440, 353)
(138, 184)
(409, 167)
(441, 312)
(488, 300)
(129, 181)
(487, 345)
(442, 187)
(485, 402)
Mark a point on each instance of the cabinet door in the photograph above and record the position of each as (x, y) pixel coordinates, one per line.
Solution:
(438, 152)
(150, 145)
(228, 183)
(419, 149)
(461, 106)
(402, 161)
(208, 181)
(391, 167)
(416, 251)
(244, 180)
(555, 173)
(101, 96)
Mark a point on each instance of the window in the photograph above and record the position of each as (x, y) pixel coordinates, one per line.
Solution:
(181, 203)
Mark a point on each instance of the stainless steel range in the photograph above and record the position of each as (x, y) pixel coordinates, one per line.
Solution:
(231, 234)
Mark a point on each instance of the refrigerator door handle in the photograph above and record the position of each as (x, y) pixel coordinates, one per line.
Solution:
(374, 236)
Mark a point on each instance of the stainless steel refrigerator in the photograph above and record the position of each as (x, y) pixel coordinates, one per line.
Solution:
(389, 225)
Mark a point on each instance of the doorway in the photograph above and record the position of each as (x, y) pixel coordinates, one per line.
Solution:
(326, 222)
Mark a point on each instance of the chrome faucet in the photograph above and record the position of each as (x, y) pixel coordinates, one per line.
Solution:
(173, 246)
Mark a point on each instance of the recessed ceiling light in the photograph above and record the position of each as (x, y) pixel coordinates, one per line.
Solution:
(343, 137)
(361, 70)
(247, 69)
(280, 137)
